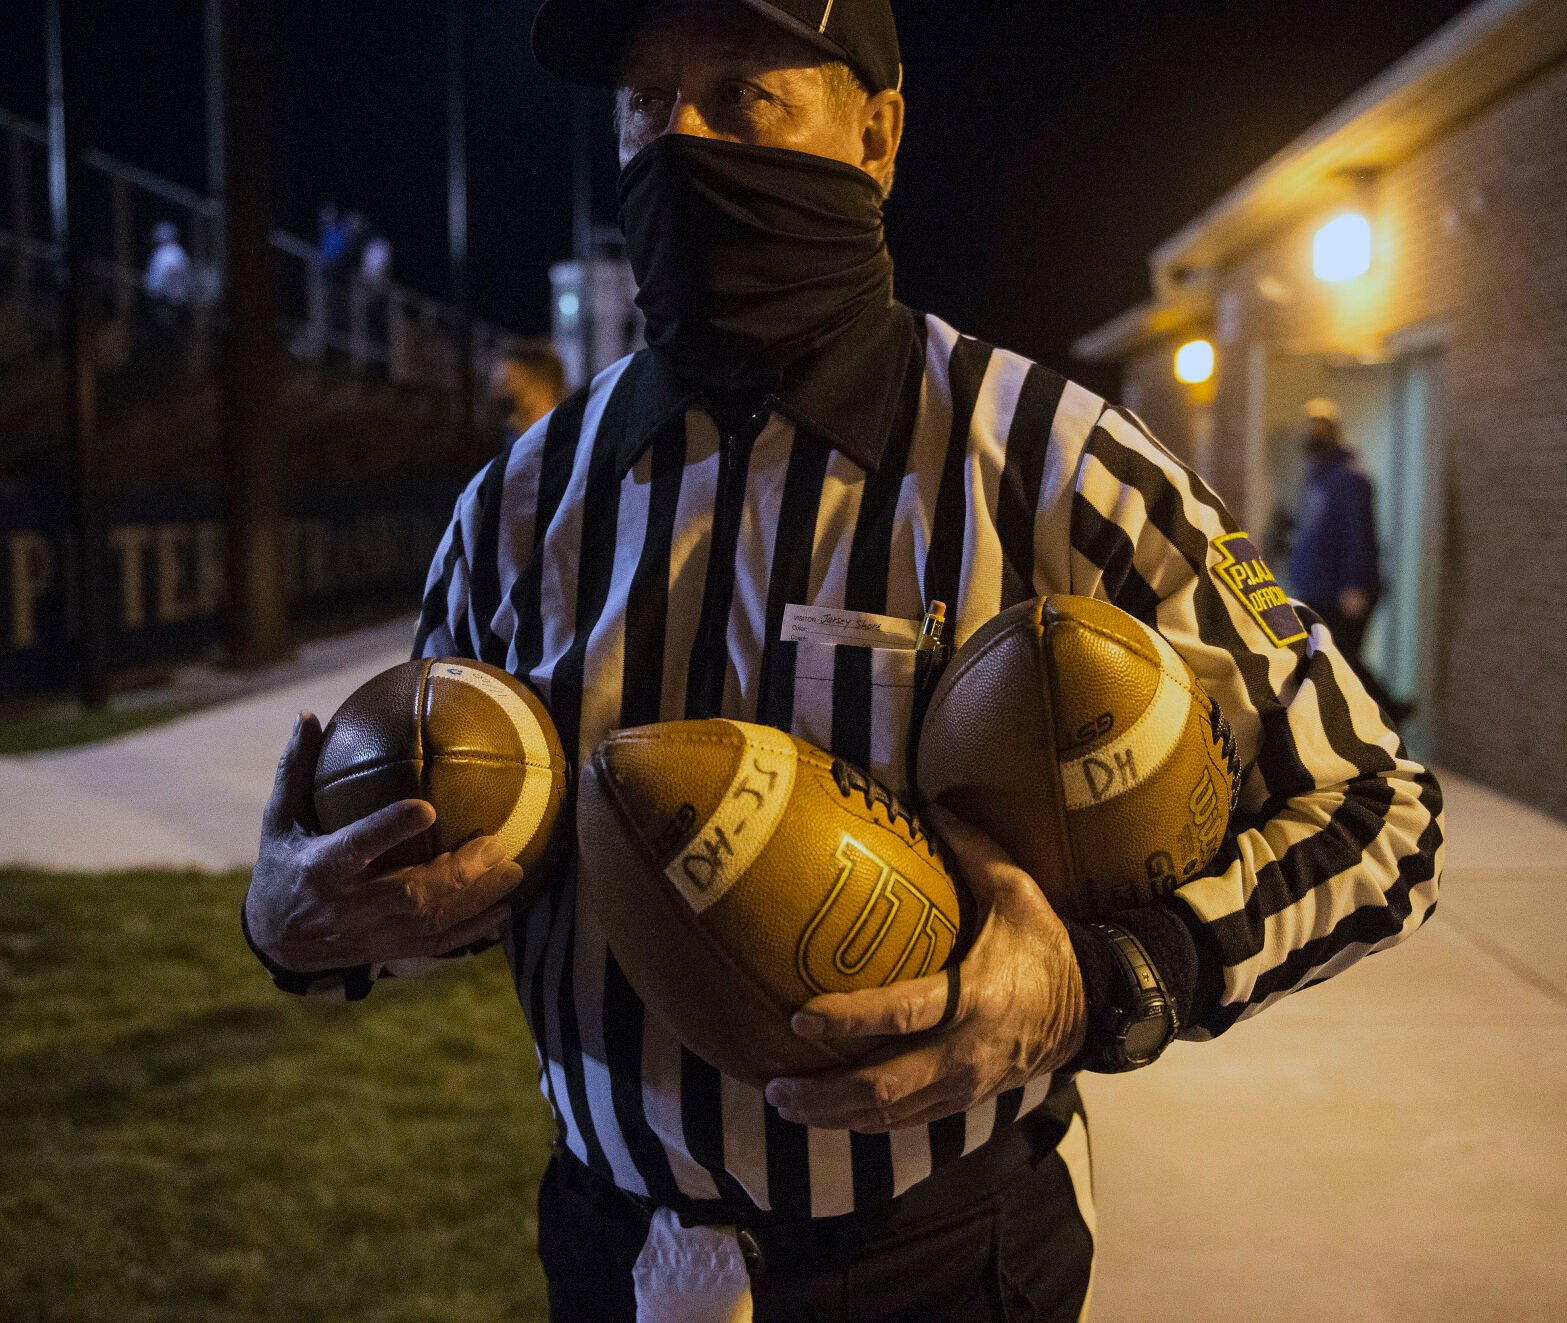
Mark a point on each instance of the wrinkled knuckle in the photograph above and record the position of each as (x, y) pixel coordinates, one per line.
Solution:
(904, 1018)
(313, 868)
(884, 1092)
(439, 915)
(986, 1004)
(426, 900)
(968, 1076)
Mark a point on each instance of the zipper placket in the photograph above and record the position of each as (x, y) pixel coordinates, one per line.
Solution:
(732, 444)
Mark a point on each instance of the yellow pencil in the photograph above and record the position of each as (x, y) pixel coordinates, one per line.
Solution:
(930, 627)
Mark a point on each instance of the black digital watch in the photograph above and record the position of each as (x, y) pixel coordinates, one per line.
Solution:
(1140, 1020)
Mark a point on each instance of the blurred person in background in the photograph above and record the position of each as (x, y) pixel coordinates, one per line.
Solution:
(1334, 558)
(527, 383)
(167, 281)
(356, 238)
(375, 263)
(331, 237)
(375, 275)
(168, 286)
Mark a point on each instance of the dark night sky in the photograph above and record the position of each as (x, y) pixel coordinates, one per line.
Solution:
(1049, 147)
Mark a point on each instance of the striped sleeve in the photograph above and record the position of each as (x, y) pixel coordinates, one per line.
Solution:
(461, 591)
(1337, 845)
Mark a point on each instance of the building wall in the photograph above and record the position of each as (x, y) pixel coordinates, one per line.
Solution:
(1150, 390)
(1472, 252)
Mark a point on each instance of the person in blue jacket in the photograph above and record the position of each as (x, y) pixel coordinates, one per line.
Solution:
(1334, 562)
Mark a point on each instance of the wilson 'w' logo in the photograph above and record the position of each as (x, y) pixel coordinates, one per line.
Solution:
(874, 927)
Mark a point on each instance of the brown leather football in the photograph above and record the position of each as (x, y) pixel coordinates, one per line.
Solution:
(473, 740)
(738, 871)
(1079, 739)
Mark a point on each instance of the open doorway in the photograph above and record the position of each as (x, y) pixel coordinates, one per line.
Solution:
(1391, 413)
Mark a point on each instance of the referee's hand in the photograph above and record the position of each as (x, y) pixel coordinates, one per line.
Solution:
(1020, 1012)
(315, 901)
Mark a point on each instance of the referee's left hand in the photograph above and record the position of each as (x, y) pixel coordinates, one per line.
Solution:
(1020, 1013)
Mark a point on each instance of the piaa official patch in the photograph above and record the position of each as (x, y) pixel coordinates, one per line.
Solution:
(1243, 571)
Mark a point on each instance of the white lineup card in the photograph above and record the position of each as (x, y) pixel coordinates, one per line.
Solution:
(834, 625)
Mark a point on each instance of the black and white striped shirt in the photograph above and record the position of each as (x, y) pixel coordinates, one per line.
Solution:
(633, 561)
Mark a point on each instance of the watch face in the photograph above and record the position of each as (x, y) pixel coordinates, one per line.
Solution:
(1147, 1036)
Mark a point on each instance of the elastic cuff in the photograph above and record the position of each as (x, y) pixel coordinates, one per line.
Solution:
(356, 982)
(1182, 952)
(1097, 967)
(1200, 998)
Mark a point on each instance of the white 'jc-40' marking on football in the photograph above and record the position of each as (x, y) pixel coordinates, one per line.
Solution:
(528, 811)
(1124, 764)
(728, 842)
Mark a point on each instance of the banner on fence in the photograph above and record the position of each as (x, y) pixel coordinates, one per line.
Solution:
(168, 575)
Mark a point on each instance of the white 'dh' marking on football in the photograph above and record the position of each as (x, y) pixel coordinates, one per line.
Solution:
(1125, 763)
(528, 811)
(728, 842)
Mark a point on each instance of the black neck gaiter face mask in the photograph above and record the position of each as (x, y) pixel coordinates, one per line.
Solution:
(748, 259)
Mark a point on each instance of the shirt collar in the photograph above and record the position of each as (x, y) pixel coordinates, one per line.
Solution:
(846, 394)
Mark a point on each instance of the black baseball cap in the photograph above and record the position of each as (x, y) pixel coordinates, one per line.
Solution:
(582, 41)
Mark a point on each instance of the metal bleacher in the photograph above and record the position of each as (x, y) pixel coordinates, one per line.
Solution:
(345, 337)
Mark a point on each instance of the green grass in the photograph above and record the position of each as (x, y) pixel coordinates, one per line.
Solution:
(65, 725)
(179, 1141)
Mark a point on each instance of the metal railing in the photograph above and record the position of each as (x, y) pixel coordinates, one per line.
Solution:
(382, 328)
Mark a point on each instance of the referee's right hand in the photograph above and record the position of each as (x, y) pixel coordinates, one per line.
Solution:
(316, 902)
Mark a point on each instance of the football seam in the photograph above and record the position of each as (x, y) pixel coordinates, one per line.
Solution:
(657, 737)
(359, 769)
(875, 819)
(629, 824)
(1134, 647)
(952, 675)
(554, 751)
(421, 715)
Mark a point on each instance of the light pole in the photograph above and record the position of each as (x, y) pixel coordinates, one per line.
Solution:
(457, 214)
(213, 61)
(64, 31)
(582, 229)
(252, 460)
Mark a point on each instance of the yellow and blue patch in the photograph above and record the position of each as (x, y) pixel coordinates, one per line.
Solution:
(1244, 573)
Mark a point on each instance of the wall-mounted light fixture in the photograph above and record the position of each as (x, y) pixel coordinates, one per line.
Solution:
(1342, 248)
(1194, 362)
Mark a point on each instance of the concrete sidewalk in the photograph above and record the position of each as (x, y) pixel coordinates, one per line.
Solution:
(188, 793)
(1389, 1146)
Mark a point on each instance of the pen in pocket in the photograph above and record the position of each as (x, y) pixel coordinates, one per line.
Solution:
(930, 658)
(931, 627)
(928, 643)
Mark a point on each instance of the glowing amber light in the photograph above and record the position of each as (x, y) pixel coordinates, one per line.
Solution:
(1342, 248)
(1194, 362)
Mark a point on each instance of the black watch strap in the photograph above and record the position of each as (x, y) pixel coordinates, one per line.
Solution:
(1140, 1019)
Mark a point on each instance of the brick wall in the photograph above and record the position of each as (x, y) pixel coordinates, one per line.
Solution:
(1472, 245)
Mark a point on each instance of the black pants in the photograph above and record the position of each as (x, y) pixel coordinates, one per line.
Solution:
(977, 1241)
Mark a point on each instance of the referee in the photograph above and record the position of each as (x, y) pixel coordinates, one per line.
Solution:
(796, 437)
